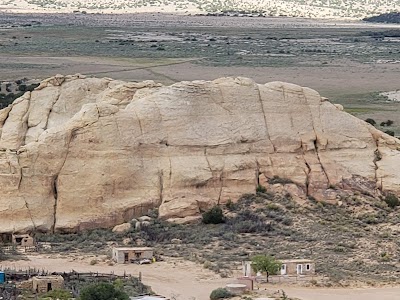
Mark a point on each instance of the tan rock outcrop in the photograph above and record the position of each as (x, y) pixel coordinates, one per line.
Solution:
(124, 227)
(81, 153)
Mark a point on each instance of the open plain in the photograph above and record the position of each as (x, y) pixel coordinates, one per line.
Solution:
(351, 63)
(347, 61)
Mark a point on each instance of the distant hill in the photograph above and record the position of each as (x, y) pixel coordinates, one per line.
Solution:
(393, 17)
(298, 8)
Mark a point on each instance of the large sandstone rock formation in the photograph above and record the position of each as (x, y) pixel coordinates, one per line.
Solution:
(82, 152)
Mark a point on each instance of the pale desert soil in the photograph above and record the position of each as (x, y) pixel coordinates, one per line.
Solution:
(185, 280)
(345, 76)
(182, 279)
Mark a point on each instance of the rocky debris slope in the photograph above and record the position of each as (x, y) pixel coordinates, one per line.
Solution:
(79, 153)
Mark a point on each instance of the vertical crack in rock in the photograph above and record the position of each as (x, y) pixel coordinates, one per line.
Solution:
(208, 162)
(265, 117)
(30, 213)
(55, 182)
(161, 186)
(377, 157)
(8, 110)
(257, 171)
(139, 121)
(55, 195)
(51, 109)
(308, 172)
(316, 147)
(221, 177)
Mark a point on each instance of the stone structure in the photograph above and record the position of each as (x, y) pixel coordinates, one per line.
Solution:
(24, 240)
(80, 153)
(43, 284)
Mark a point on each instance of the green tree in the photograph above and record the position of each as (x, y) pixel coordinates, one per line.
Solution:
(214, 216)
(102, 291)
(266, 264)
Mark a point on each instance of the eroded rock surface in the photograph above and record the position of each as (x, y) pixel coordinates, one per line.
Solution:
(81, 153)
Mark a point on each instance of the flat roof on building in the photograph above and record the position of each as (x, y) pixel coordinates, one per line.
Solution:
(49, 277)
(133, 248)
(296, 260)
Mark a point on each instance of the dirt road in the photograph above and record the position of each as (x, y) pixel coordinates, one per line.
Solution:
(185, 280)
(389, 293)
(180, 279)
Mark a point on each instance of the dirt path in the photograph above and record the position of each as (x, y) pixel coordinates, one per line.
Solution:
(180, 279)
(388, 293)
(185, 280)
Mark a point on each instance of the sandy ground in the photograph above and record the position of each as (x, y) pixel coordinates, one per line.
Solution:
(180, 279)
(188, 281)
(346, 77)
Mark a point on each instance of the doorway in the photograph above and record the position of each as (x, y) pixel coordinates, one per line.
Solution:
(126, 257)
(49, 287)
(299, 269)
(283, 269)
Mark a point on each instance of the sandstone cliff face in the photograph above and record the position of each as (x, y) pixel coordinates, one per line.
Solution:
(80, 152)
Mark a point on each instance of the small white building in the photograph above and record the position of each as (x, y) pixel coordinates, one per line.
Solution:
(125, 255)
(298, 267)
(294, 267)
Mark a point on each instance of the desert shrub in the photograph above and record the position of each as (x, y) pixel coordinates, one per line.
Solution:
(214, 216)
(102, 291)
(220, 293)
(248, 222)
(230, 205)
(389, 132)
(370, 121)
(260, 189)
(277, 179)
(273, 206)
(392, 200)
(57, 294)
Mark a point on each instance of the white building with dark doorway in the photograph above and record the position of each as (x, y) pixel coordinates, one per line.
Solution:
(125, 255)
(297, 267)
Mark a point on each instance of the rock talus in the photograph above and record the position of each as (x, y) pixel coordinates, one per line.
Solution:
(79, 153)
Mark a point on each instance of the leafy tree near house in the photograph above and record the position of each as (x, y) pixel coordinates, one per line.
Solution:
(266, 264)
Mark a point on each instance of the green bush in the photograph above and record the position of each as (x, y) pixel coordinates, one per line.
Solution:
(214, 216)
(389, 132)
(230, 205)
(260, 189)
(220, 293)
(392, 200)
(102, 291)
(370, 121)
(277, 179)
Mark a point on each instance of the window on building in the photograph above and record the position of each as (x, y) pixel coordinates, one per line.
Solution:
(308, 267)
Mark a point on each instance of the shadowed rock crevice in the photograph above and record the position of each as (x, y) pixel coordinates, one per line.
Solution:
(55, 195)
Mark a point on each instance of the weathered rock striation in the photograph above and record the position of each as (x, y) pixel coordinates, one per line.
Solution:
(81, 153)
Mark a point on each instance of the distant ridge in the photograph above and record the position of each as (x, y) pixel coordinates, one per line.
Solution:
(393, 17)
(356, 9)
